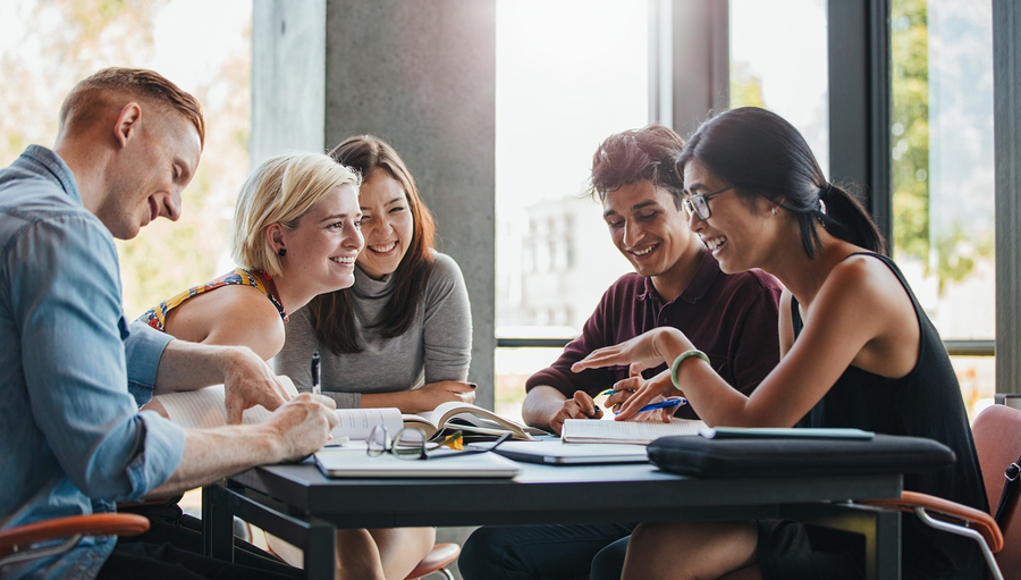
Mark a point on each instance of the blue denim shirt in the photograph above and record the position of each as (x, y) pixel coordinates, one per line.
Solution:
(72, 374)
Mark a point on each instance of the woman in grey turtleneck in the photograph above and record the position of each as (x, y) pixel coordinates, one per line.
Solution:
(401, 336)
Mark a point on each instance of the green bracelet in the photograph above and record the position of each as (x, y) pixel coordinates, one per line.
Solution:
(680, 358)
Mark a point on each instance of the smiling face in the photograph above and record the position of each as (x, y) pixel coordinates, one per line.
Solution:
(387, 225)
(738, 231)
(149, 174)
(650, 230)
(322, 248)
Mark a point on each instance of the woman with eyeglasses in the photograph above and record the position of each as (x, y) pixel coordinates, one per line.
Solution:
(857, 350)
(401, 335)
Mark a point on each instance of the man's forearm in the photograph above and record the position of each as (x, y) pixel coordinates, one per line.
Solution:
(188, 365)
(295, 430)
(540, 405)
(212, 454)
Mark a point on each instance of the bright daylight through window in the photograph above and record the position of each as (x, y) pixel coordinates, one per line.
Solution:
(942, 164)
(568, 74)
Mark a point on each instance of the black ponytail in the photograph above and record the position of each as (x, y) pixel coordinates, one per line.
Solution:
(846, 218)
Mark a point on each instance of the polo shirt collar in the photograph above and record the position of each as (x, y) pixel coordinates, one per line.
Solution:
(707, 272)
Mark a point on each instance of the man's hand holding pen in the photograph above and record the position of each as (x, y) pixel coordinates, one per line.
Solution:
(580, 406)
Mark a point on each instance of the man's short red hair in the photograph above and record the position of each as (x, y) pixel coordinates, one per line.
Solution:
(84, 103)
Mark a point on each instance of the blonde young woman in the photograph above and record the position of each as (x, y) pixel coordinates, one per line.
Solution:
(297, 234)
(401, 335)
(856, 348)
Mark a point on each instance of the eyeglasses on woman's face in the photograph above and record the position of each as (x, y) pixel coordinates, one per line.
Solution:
(698, 203)
(411, 443)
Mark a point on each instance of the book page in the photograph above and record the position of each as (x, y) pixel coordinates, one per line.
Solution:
(484, 420)
(204, 409)
(466, 411)
(358, 423)
(638, 432)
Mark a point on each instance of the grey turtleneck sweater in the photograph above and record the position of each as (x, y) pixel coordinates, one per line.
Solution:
(436, 347)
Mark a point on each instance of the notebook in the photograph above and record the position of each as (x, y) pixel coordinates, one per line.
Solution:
(555, 452)
(340, 462)
(590, 431)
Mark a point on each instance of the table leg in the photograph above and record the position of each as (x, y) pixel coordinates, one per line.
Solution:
(320, 551)
(217, 524)
(883, 547)
(881, 529)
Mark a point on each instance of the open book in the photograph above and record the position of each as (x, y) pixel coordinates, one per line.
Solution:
(470, 419)
(204, 408)
(636, 432)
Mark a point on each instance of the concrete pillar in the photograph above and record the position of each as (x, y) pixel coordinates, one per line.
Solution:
(421, 75)
(288, 78)
(1007, 137)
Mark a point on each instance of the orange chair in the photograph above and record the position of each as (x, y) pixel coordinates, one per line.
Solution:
(20, 544)
(436, 561)
(997, 432)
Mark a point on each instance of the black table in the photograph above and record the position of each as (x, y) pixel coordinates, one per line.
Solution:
(297, 503)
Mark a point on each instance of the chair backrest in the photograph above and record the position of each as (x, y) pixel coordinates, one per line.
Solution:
(997, 432)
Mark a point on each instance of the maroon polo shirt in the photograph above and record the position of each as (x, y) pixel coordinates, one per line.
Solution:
(730, 317)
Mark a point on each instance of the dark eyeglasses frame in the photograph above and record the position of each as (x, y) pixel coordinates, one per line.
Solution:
(422, 449)
(698, 203)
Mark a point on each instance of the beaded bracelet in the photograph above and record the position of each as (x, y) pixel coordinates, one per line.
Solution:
(680, 358)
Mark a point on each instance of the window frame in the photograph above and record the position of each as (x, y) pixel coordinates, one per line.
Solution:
(859, 151)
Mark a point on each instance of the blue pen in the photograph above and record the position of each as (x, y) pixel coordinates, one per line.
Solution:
(664, 404)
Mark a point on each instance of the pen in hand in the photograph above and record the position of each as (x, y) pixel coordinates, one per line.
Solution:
(664, 404)
(316, 389)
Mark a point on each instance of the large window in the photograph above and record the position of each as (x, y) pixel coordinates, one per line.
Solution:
(778, 62)
(941, 138)
(568, 74)
(204, 47)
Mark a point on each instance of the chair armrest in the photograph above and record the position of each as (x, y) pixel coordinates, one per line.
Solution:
(86, 525)
(946, 510)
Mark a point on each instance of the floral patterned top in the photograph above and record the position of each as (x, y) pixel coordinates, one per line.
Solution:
(157, 317)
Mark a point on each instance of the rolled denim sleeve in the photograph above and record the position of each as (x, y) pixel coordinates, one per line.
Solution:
(66, 301)
(143, 349)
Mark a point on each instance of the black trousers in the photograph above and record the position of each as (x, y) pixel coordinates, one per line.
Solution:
(172, 550)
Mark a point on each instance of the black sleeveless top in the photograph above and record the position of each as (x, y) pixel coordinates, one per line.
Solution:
(926, 402)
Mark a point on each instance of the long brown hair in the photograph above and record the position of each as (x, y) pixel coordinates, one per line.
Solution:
(333, 314)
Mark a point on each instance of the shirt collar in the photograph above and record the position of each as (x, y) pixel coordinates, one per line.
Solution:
(48, 165)
(707, 272)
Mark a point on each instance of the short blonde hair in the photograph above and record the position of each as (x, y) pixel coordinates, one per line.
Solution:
(281, 190)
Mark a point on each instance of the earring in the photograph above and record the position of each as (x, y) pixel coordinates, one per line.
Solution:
(774, 211)
(282, 252)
